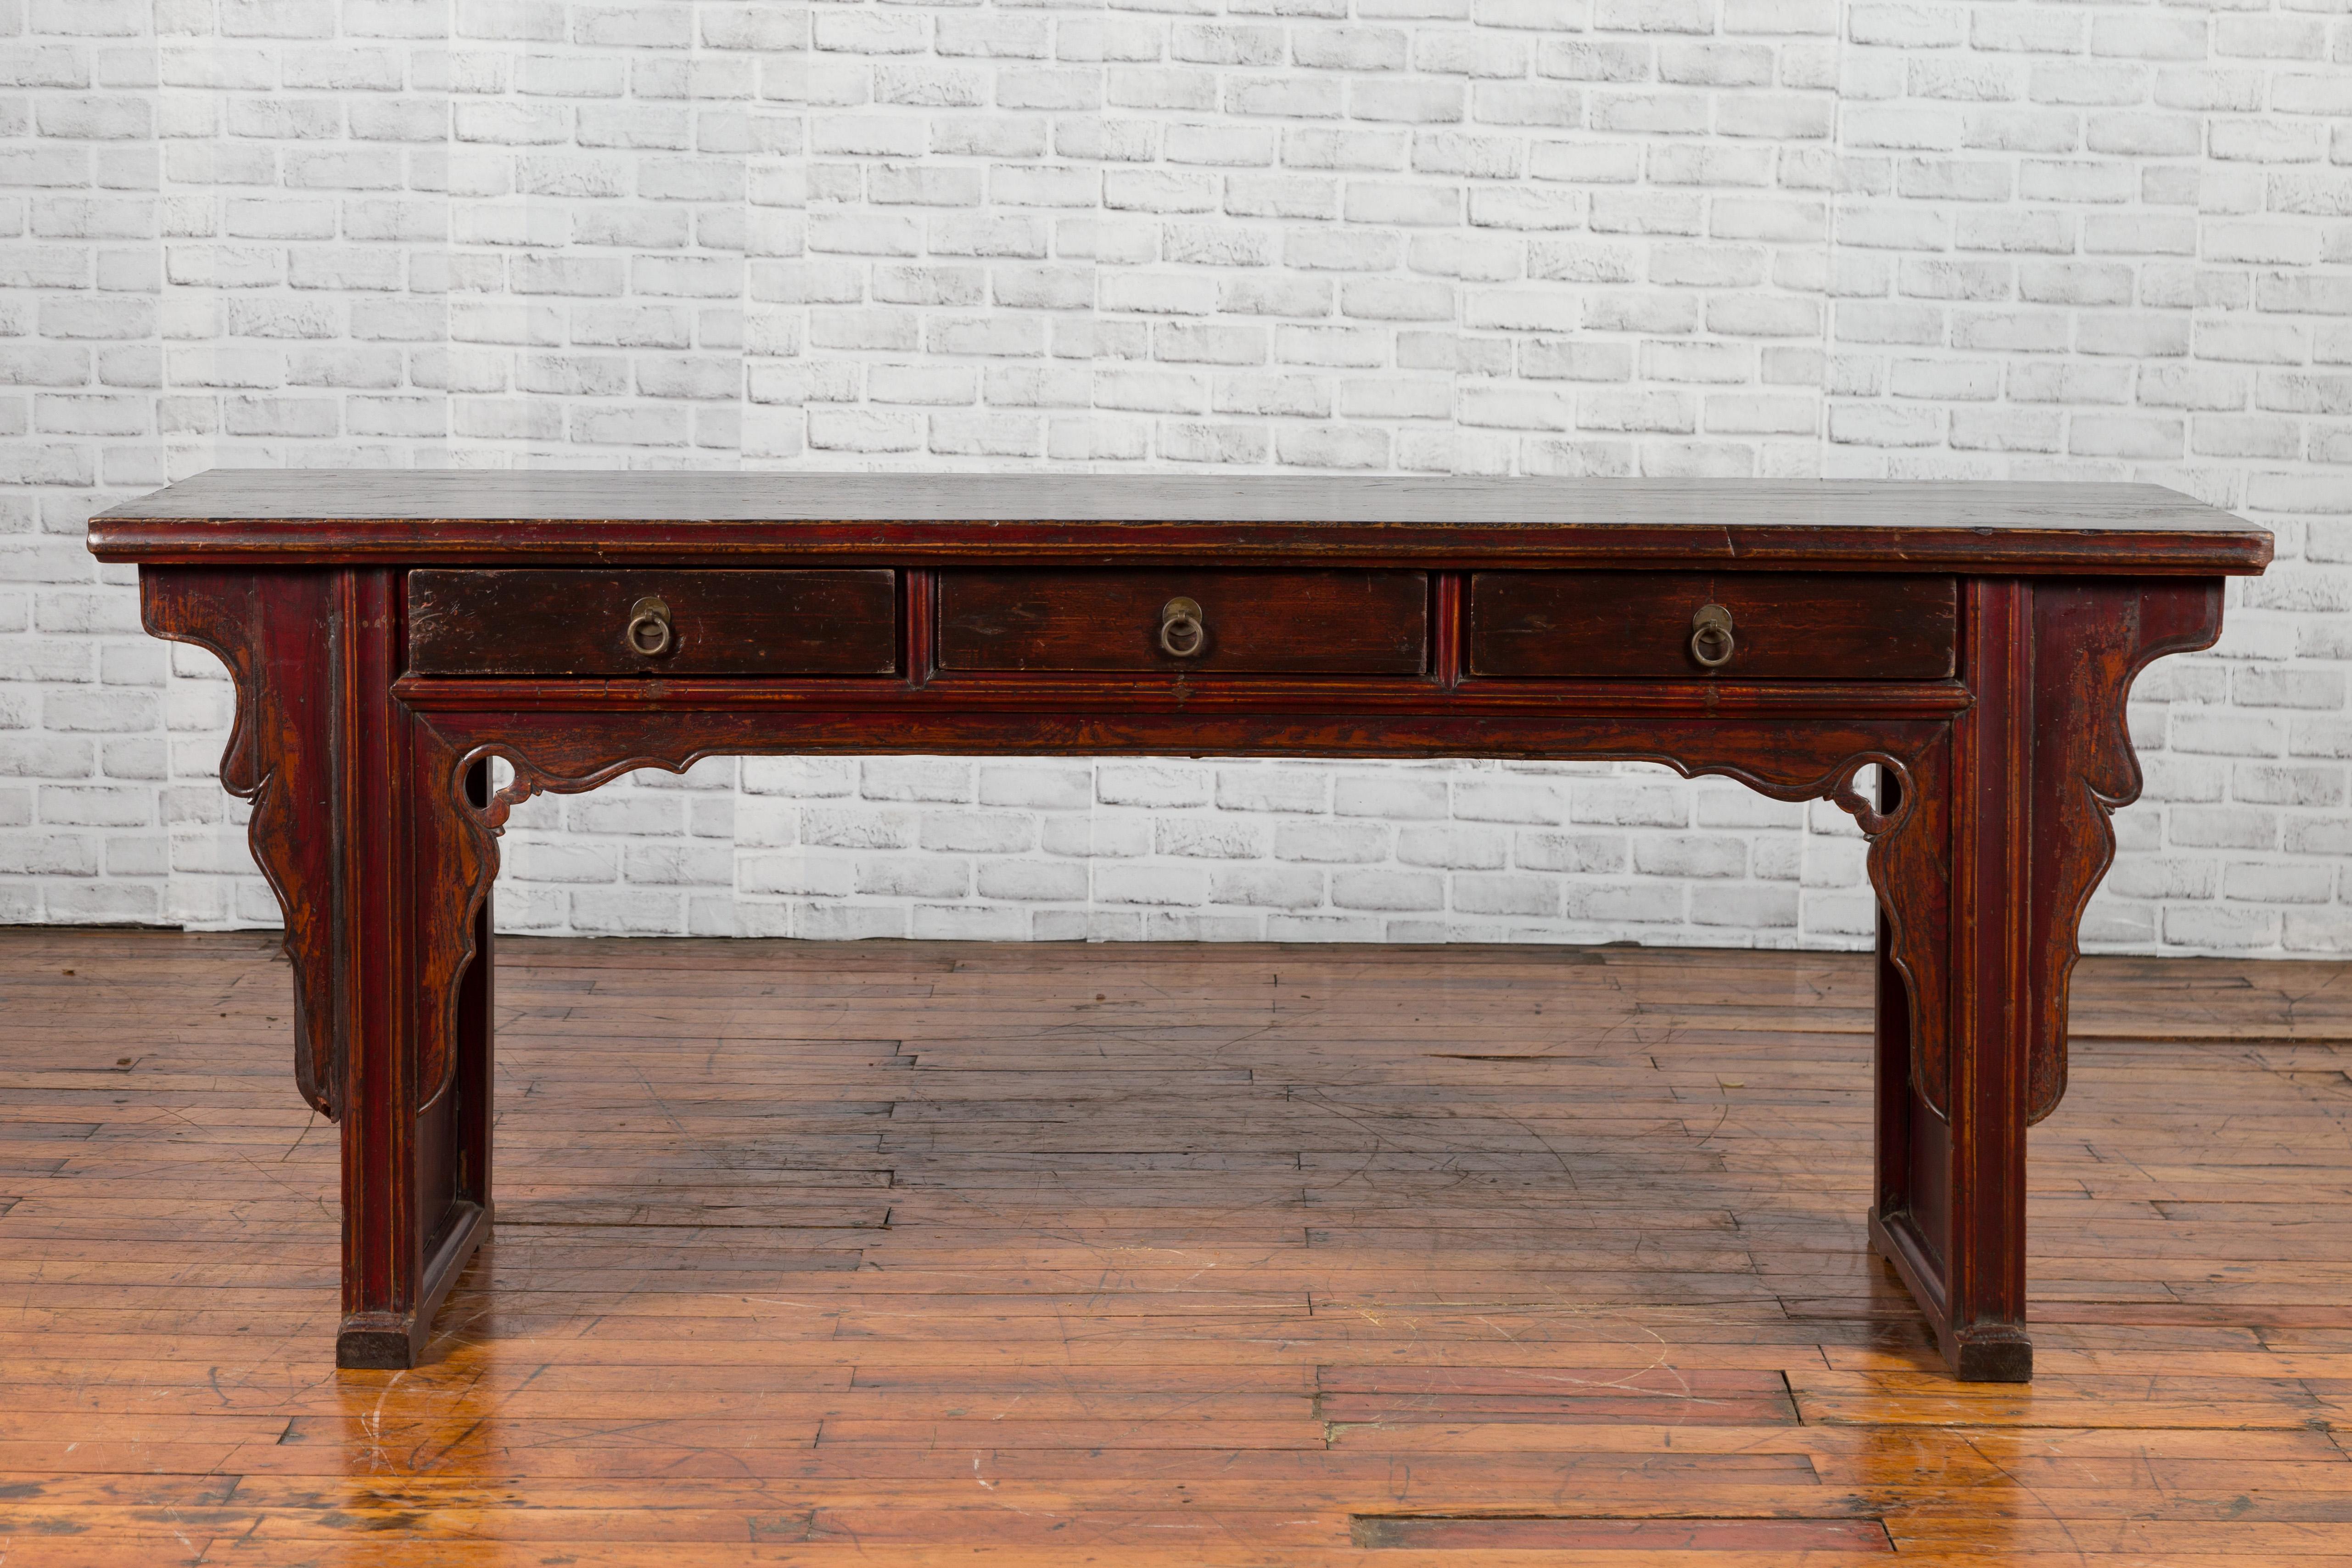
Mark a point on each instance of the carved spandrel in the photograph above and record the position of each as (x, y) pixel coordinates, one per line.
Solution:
(2091, 640)
(272, 630)
(458, 859)
(1910, 873)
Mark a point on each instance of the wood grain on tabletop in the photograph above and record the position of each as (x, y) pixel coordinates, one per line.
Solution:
(1160, 1256)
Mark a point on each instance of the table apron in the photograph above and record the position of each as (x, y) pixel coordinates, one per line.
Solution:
(1174, 704)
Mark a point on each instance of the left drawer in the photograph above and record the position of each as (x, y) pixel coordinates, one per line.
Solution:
(653, 622)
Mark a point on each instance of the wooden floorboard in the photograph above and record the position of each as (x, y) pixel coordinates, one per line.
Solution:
(1166, 1257)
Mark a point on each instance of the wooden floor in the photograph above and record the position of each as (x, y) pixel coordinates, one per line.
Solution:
(897, 1253)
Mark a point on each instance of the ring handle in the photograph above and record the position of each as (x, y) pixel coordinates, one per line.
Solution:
(1712, 643)
(648, 632)
(1182, 633)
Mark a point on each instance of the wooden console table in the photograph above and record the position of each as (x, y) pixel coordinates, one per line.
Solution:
(389, 632)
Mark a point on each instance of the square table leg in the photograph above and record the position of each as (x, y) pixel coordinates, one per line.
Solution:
(2036, 766)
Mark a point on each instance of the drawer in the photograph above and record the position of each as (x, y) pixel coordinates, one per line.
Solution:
(682, 622)
(1782, 626)
(1259, 622)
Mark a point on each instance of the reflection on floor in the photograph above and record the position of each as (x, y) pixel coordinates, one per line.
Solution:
(1164, 1256)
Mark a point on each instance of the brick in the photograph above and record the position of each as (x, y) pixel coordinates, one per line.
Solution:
(1272, 789)
(1326, 447)
(1151, 783)
(2211, 928)
(1387, 890)
(1203, 343)
(2318, 932)
(1151, 884)
(1267, 887)
(977, 831)
(910, 876)
(1636, 903)
(1418, 102)
(1212, 838)
(1322, 928)
(1518, 410)
(2219, 826)
(1298, 396)
(1529, 897)
(2274, 784)
(1452, 846)
(1350, 48)
(1331, 842)
(1315, 250)
(1188, 442)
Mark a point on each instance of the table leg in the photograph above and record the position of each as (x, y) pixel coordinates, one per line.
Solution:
(361, 827)
(412, 994)
(2035, 767)
(1951, 1209)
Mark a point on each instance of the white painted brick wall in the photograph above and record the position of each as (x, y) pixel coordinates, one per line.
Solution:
(1556, 236)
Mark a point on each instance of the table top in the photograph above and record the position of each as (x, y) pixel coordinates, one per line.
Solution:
(286, 517)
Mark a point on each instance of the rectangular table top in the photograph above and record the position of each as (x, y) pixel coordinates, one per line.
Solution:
(285, 517)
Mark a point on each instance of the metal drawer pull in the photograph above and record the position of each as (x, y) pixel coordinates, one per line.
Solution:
(648, 632)
(1711, 640)
(1183, 634)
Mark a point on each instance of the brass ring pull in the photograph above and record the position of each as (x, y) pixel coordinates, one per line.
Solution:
(1183, 634)
(649, 634)
(1711, 641)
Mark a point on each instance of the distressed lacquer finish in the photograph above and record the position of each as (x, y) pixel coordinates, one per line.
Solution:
(273, 630)
(1337, 624)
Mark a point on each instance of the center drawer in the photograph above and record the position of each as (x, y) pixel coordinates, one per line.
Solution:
(654, 621)
(1257, 623)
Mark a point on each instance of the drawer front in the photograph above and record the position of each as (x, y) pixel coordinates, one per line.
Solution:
(1782, 626)
(653, 622)
(1259, 622)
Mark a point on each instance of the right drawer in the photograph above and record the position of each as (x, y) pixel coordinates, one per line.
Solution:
(1746, 625)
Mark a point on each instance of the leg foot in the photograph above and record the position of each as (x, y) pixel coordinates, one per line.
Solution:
(377, 1340)
(395, 1341)
(1992, 1352)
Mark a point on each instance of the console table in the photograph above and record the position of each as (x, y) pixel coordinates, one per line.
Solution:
(390, 632)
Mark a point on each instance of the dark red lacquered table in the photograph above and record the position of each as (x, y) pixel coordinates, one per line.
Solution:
(389, 632)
